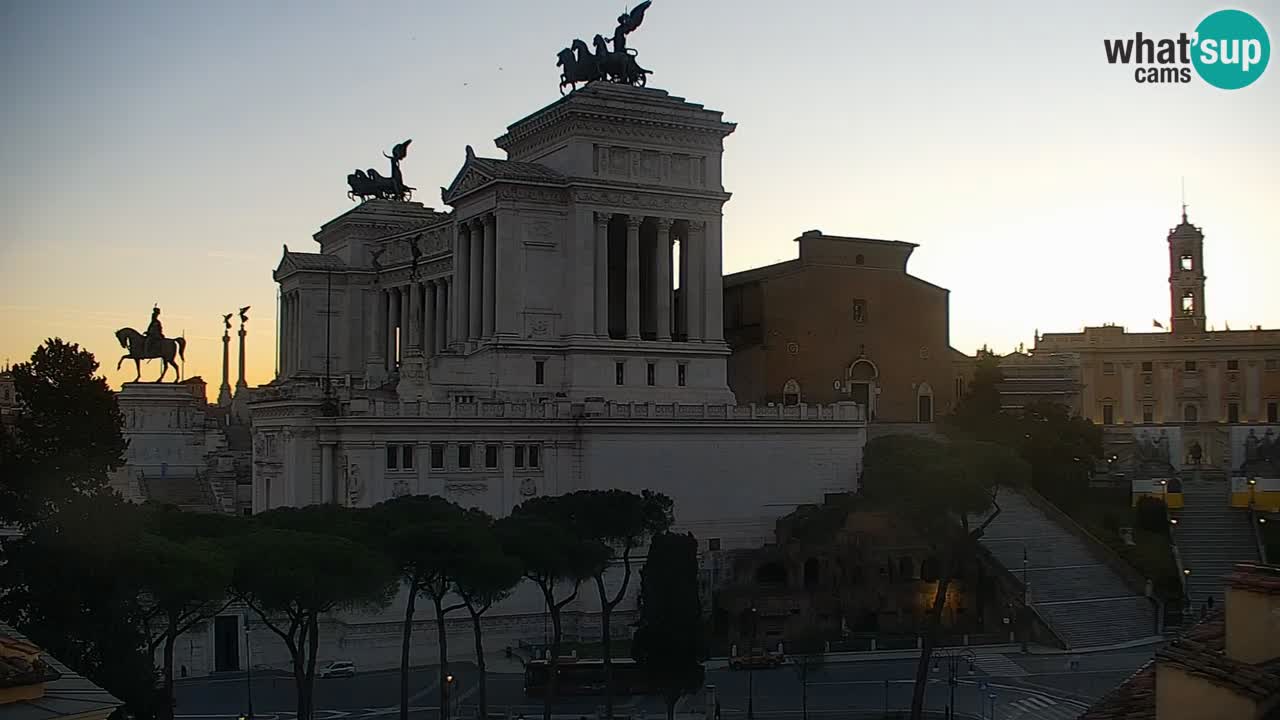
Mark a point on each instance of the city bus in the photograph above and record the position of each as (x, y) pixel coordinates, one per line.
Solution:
(585, 677)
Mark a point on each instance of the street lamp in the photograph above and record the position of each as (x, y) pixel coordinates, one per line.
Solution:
(751, 672)
(952, 660)
(248, 669)
(449, 681)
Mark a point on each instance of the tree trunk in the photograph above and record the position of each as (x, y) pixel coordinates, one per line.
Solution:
(926, 649)
(168, 710)
(606, 655)
(299, 673)
(406, 636)
(804, 692)
(672, 699)
(553, 666)
(480, 666)
(313, 647)
(442, 640)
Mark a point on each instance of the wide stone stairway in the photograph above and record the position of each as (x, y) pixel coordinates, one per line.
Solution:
(1211, 536)
(1085, 602)
(189, 493)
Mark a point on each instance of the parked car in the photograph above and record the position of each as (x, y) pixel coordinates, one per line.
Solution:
(757, 659)
(337, 668)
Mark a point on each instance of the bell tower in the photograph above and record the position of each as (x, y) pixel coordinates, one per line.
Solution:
(1186, 277)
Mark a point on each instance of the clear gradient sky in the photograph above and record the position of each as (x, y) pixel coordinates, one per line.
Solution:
(164, 151)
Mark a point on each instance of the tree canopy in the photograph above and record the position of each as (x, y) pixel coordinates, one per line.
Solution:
(66, 438)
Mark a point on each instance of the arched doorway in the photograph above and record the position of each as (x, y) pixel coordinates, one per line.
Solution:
(863, 377)
(791, 392)
(924, 403)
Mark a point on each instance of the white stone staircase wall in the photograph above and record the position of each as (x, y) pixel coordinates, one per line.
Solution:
(1084, 600)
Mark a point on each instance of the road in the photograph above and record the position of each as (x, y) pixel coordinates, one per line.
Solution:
(1021, 687)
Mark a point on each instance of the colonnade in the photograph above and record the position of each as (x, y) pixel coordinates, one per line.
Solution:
(419, 310)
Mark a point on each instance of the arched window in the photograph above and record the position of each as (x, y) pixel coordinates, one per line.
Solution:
(791, 392)
(811, 573)
(1191, 413)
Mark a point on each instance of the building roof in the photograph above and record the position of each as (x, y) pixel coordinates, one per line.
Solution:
(314, 261)
(66, 694)
(1201, 651)
(478, 172)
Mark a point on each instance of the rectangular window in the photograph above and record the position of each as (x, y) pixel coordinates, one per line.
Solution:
(1273, 412)
(491, 456)
(519, 458)
(681, 374)
(464, 457)
(650, 374)
(1233, 412)
(713, 544)
(539, 372)
(1146, 366)
(1187, 262)
(619, 373)
(393, 457)
(437, 457)
(1108, 415)
(406, 456)
(1108, 368)
(1233, 364)
(534, 460)
(1189, 366)
(1272, 364)
(1148, 413)
(859, 311)
(1146, 379)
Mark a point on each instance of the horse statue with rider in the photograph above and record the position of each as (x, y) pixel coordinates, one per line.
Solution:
(370, 184)
(151, 345)
(581, 65)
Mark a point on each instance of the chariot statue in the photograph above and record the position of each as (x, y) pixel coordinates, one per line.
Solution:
(370, 183)
(581, 65)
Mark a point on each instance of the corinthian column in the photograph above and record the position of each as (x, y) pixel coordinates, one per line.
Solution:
(415, 317)
(490, 285)
(462, 283)
(602, 274)
(429, 318)
(633, 277)
(475, 300)
(662, 280)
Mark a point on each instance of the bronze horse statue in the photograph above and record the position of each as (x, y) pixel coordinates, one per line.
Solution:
(166, 350)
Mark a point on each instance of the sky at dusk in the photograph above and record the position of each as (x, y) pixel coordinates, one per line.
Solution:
(162, 152)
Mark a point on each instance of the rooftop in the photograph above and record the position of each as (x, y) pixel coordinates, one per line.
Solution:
(66, 694)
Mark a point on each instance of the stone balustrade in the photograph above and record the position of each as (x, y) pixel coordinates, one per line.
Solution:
(602, 410)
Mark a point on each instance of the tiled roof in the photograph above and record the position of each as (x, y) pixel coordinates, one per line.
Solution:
(1134, 699)
(315, 261)
(1201, 652)
(66, 694)
(514, 170)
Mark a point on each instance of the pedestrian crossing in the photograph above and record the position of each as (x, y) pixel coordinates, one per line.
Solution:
(1038, 707)
(999, 666)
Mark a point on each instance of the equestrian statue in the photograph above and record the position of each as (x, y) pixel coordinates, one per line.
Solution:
(151, 345)
(581, 65)
(370, 184)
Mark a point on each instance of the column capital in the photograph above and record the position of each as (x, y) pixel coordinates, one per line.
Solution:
(602, 219)
(633, 221)
(664, 224)
(698, 225)
(477, 222)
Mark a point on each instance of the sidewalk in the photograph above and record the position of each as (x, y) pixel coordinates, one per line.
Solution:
(721, 663)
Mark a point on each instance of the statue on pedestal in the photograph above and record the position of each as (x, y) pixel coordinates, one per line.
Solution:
(151, 345)
(371, 184)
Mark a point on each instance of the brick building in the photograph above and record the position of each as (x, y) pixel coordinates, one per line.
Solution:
(844, 321)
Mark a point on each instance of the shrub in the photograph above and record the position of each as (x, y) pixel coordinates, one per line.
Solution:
(1151, 515)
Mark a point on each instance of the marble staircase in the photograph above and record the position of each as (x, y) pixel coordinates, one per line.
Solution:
(1211, 536)
(1084, 599)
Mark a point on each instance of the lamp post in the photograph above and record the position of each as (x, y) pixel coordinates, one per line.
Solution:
(448, 693)
(1025, 620)
(248, 669)
(952, 660)
(751, 672)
